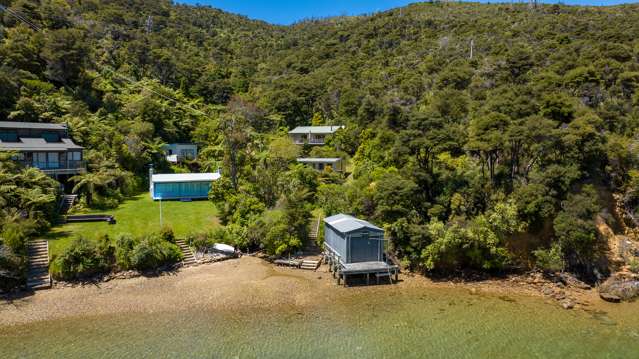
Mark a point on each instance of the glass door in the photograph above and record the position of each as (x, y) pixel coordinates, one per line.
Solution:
(39, 160)
(53, 160)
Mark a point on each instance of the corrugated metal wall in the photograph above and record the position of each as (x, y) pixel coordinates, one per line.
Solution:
(335, 240)
(365, 245)
(181, 190)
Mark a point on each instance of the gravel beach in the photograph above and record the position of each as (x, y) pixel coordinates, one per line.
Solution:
(239, 284)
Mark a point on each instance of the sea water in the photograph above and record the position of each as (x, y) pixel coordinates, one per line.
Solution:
(415, 323)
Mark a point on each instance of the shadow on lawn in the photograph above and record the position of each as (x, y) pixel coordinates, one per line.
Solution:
(57, 235)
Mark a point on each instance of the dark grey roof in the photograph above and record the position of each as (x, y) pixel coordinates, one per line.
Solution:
(345, 223)
(39, 144)
(32, 125)
(315, 129)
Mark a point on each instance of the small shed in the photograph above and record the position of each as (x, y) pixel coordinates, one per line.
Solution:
(181, 185)
(179, 152)
(353, 240)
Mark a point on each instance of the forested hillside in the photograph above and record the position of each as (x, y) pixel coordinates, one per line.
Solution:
(480, 136)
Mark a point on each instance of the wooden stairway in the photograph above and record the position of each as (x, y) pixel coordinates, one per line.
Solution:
(68, 200)
(38, 274)
(310, 264)
(311, 245)
(189, 257)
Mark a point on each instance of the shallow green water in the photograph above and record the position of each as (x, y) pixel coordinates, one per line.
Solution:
(435, 324)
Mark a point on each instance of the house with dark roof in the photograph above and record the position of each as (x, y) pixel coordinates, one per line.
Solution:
(46, 146)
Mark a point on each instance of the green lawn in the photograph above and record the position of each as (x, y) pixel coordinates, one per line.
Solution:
(140, 215)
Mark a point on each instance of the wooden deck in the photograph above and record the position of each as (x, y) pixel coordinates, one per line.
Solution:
(378, 269)
(367, 267)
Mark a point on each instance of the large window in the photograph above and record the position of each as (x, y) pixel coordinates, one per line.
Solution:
(187, 153)
(51, 137)
(40, 160)
(75, 156)
(8, 136)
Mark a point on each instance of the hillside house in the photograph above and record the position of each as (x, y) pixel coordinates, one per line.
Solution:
(179, 152)
(321, 164)
(312, 135)
(46, 146)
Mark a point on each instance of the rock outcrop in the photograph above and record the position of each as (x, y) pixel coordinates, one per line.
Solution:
(620, 287)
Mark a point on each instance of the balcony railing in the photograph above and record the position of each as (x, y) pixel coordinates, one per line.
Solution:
(62, 167)
(312, 141)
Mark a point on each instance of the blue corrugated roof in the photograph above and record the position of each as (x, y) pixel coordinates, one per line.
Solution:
(346, 223)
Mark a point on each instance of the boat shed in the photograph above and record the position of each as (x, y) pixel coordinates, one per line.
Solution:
(354, 246)
(181, 186)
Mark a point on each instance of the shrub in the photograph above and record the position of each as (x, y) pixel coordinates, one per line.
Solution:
(633, 265)
(279, 240)
(81, 259)
(200, 241)
(124, 245)
(549, 259)
(166, 233)
(12, 269)
(16, 233)
(152, 252)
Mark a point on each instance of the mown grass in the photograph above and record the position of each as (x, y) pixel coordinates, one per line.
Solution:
(140, 215)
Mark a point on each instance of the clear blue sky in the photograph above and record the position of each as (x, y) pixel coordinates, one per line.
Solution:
(289, 11)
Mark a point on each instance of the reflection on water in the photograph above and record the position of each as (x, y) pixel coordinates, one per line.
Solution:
(441, 323)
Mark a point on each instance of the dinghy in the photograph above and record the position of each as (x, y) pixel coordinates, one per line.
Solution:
(224, 248)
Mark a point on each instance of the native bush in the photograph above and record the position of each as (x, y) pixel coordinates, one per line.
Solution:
(81, 259)
(152, 252)
(550, 259)
(124, 245)
(166, 233)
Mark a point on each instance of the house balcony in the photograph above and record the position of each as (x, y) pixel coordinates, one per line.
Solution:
(58, 168)
(312, 141)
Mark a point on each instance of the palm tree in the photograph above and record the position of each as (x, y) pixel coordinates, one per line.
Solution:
(88, 184)
(155, 148)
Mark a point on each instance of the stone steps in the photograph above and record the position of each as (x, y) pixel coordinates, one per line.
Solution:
(38, 274)
(189, 257)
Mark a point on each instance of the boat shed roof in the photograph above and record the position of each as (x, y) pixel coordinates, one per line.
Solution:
(33, 125)
(184, 177)
(315, 129)
(345, 223)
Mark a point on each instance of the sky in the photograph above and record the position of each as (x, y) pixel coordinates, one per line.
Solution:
(285, 12)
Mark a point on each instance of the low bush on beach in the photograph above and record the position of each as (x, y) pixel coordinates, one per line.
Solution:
(85, 258)
(152, 252)
(167, 234)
